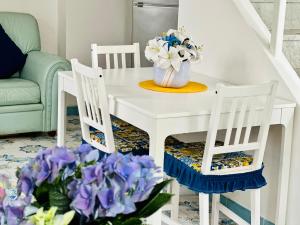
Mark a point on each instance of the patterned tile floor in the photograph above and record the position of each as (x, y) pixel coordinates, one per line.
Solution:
(16, 150)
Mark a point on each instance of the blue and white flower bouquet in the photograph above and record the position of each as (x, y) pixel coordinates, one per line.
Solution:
(171, 54)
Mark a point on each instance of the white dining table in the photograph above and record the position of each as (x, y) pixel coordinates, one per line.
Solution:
(164, 114)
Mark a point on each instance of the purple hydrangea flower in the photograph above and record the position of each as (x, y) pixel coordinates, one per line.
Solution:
(87, 154)
(14, 213)
(119, 182)
(11, 208)
(99, 188)
(84, 200)
(72, 188)
(138, 172)
(93, 174)
(26, 181)
(46, 166)
(110, 202)
(59, 159)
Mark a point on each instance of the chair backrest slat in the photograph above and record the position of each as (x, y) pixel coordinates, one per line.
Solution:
(85, 96)
(240, 123)
(93, 105)
(251, 118)
(249, 106)
(123, 60)
(116, 51)
(107, 58)
(116, 61)
(230, 121)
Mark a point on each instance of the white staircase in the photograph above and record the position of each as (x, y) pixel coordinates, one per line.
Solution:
(291, 46)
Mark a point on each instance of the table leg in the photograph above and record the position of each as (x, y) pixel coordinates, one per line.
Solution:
(156, 150)
(284, 167)
(61, 117)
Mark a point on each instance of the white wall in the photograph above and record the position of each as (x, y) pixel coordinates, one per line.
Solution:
(96, 21)
(68, 27)
(46, 13)
(233, 52)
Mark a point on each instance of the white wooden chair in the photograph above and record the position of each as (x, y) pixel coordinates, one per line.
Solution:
(99, 128)
(93, 105)
(247, 107)
(116, 51)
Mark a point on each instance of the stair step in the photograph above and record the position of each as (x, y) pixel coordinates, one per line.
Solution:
(294, 33)
(265, 10)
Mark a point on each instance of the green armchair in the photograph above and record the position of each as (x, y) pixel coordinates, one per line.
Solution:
(28, 100)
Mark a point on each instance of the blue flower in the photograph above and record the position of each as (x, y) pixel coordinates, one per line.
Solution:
(58, 160)
(87, 154)
(84, 200)
(72, 188)
(25, 183)
(110, 202)
(172, 40)
(119, 182)
(93, 173)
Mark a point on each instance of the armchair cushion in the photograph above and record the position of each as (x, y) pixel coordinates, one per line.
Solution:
(12, 59)
(16, 91)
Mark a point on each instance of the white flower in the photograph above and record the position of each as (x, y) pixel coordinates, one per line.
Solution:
(196, 54)
(171, 31)
(180, 33)
(153, 49)
(169, 58)
(163, 56)
(172, 49)
(184, 53)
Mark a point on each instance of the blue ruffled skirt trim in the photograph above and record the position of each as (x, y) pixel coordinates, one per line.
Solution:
(210, 184)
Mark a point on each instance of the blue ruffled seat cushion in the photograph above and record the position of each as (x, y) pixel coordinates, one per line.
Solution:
(128, 138)
(183, 161)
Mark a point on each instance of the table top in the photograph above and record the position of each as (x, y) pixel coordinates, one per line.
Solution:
(122, 87)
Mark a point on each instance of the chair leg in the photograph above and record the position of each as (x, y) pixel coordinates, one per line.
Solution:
(204, 209)
(175, 189)
(255, 207)
(215, 212)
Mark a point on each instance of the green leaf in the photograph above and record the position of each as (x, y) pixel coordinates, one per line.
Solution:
(156, 191)
(155, 204)
(160, 186)
(60, 200)
(133, 221)
(41, 194)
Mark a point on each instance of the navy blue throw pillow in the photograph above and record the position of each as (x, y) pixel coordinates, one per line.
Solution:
(12, 59)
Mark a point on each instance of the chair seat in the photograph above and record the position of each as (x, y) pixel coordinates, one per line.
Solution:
(128, 138)
(191, 154)
(15, 91)
(183, 161)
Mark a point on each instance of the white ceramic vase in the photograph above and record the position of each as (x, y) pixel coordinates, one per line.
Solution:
(171, 78)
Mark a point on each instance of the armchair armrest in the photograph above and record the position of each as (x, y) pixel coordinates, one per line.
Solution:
(42, 68)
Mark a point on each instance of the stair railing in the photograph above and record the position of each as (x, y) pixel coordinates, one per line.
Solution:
(278, 27)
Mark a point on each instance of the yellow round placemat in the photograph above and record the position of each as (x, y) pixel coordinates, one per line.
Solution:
(191, 87)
